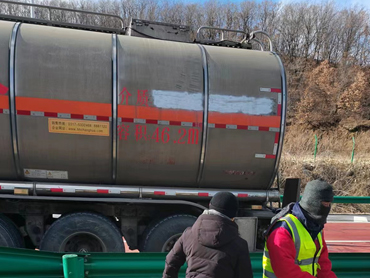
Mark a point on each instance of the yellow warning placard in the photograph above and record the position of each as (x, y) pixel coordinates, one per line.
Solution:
(78, 127)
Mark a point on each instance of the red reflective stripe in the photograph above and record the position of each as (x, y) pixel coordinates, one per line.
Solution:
(159, 193)
(220, 125)
(263, 128)
(102, 191)
(51, 114)
(127, 120)
(277, 137)
(153, 122)
(270, 156)
(102, 118)
(275, 90)
(245, 127)
(203, 194)
(56, 189)
(23, 112)
(242, 195)
(175, 123)
(0, 187)
(279, 110)
(1, 111)
(77, 116)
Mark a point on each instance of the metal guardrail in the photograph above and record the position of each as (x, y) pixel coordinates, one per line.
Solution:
(352, 200)
(21, 263)
(347, 199)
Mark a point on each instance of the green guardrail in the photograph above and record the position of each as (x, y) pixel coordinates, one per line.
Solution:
(21, 263)
(347, 199)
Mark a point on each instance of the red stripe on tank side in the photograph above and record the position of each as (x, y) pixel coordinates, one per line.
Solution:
(23, 112)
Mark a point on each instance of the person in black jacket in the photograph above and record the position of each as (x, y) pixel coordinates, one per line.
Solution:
(212, 248)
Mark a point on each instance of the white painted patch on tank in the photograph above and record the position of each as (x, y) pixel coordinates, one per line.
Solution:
(178, 100)
(241, 104)
(217, 103)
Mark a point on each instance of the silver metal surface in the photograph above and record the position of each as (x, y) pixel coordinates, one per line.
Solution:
(73, 68)
(114, 106)
(49, 8)
(12, 95)
(103, 200)
(112, 191)
(189, 194)
(230, 161)
(284, 92)
(171, 76)
(205, 113)
(248, 230)
(161, 91)
(10, 187)
(7, 169)
(272, 196)
(86, 190)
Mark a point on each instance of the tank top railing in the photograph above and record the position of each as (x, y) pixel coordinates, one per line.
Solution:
(218, 37)
(50, 10)
(252, 37)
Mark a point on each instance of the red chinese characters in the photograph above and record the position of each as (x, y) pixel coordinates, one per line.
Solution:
(142, 97)
(123, 131)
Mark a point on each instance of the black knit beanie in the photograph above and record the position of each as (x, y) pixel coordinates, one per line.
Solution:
(226, 203)
(315, 192)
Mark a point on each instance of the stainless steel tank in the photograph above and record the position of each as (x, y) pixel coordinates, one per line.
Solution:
(87, 107)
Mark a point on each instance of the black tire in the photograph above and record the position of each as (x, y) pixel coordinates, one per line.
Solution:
(10, 236)
(83, 232)
(162, 235)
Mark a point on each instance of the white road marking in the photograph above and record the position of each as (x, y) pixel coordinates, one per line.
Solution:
(361, 219)
(349, 241)
(346, 222)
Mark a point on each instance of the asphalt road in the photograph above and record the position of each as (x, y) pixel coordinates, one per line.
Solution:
(348, 233)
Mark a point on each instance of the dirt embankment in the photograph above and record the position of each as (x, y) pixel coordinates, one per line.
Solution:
(333, 103)
(332, 163)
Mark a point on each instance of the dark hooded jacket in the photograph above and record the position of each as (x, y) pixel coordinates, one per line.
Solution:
(212, 248)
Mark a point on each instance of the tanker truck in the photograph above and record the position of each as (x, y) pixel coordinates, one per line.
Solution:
(111, 132)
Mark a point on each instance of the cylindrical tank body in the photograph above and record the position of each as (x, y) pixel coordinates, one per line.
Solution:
(85, 107)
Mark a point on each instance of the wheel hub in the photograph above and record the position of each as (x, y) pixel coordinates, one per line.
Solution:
(168, 245)
(82, 243)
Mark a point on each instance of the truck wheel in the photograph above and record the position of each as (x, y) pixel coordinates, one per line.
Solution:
(162, 235)
(10, 235)
(83, 232)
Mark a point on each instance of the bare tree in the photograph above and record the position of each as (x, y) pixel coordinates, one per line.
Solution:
(247, 15)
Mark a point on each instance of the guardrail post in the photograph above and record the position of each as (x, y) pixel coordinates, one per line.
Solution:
(353, 149)
(315, 151)
(73, 266)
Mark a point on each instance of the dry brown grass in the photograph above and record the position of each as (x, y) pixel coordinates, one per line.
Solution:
(333, 162)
